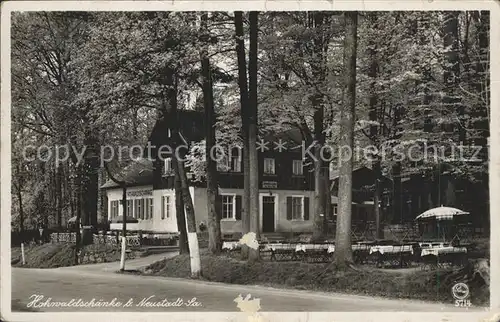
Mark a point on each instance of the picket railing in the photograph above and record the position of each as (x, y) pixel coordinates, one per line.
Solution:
(113, 238)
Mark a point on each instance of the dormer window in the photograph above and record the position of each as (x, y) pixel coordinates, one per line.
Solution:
(297, 167)
(230, 163)
(269, 167)
(223, 164)
(235, 163)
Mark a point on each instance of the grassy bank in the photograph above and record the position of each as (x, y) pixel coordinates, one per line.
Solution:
(53, 255)
(421, 285)
(44, 256)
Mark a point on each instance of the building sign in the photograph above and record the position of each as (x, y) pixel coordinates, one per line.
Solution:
(269, 184)
(140, 193)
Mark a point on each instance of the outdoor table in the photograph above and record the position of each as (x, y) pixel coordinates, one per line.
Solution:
(281, 251)
(443, 250)
(355, 247)
(306, 247)
(231, 245)
(391, 249)
(313, 252)
(396, 255)
(443, 256)
(424, 245)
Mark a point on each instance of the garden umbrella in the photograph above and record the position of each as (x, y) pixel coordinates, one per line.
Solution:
(441, 213)
(72, 220)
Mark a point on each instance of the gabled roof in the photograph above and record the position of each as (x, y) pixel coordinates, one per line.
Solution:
(292, 137)
(190, 122)
(138, 173)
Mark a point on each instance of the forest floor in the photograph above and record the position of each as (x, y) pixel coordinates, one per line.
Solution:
(365, 280)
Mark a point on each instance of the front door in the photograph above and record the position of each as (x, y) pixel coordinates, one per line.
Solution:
(268, 214)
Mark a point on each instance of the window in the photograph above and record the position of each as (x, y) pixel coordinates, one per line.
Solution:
(130, 208)
(297, 168)
(151, 208)
(114, 208)
(236, 163)
(297, 208)
(269, 166)
(334, 210)
(139, 208)
(167, 166)
(223, 164)
(166, 207)
(228, 207)
(147, 208)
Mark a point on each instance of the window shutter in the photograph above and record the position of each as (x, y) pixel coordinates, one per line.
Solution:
(238, 207)
(306, 208)
(288, 208)
(163, 207)
(219, 201)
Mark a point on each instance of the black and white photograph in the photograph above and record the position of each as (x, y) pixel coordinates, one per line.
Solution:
(251, 161)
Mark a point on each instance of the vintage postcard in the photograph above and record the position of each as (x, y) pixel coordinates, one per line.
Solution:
(250, 160)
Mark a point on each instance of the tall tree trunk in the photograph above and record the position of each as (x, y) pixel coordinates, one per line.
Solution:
(21, 211)
(452, 70)
(78, 184)
(318, 69)
(70, 185)
(135, 124)
(124, 228)
(170, 111)
(181, 216)
(319, 186)
(214, 232)
(481, 84)
(243, 85)
(194, 249)
(485, 105)
(90, 186)
(123, 185)
(374, 129)
(327, 199)
(343, 249)
(253, 133)
(19, 192)
(59, 200)
(396, 179)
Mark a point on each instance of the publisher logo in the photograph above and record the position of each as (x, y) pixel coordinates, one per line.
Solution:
(460, 292)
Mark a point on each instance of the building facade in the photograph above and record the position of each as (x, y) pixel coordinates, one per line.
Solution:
(285, 196)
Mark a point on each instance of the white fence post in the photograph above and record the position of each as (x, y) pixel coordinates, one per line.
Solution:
(22, 253)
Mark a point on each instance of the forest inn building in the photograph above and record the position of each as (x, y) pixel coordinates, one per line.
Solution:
(285, 194)
(286, 188)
